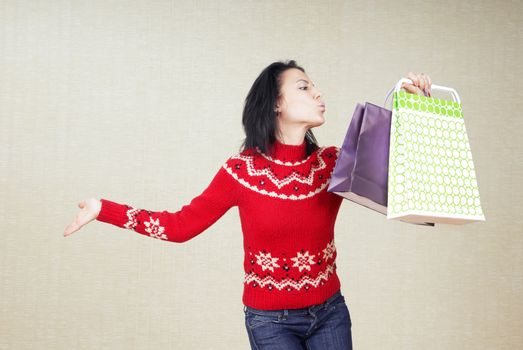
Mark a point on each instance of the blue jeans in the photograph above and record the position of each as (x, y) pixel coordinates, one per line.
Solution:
(317, 327)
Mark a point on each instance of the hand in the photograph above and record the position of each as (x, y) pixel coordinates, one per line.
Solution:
(90, 210)
(422, 84)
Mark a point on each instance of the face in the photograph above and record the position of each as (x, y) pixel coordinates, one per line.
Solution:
(300, 101)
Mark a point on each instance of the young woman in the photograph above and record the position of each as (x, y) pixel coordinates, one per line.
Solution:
(278, 180)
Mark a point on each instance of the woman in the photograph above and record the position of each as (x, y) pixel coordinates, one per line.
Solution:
(292, 297)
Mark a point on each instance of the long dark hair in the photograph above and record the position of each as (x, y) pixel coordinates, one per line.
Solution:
(259, 117)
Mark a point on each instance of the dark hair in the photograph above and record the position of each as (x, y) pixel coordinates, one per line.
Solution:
(259, 117)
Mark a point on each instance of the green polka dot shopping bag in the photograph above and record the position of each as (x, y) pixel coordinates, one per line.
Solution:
(431, 175)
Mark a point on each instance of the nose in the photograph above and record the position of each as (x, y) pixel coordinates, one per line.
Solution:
(317, 94)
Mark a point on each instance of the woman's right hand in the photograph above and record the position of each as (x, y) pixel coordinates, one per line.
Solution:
(90, 209)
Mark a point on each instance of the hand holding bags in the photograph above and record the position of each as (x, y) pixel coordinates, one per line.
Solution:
(431, 172)
(362, 172)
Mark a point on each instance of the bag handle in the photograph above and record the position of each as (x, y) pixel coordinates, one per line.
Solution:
(397, 87)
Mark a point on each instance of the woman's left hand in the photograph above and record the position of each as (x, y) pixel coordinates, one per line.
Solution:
(422, 84)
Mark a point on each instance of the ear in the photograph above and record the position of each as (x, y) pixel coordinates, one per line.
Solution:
(277, 104)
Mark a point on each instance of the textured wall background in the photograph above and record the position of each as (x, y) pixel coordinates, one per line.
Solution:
(140, 102)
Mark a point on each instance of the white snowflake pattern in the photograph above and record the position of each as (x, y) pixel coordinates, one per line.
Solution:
(266, 261)
(328, 252)
(303, 261)
(132, 222)
(154, 229)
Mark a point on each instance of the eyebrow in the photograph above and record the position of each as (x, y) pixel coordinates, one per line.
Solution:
(304, 81)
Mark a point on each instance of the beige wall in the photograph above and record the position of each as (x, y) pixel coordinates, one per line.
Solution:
(140, 102)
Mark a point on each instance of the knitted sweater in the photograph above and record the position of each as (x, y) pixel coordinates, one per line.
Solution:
(287, 218)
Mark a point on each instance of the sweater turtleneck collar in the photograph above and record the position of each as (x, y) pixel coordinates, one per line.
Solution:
(289, 153)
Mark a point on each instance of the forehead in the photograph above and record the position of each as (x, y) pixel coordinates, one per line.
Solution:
(290, 76)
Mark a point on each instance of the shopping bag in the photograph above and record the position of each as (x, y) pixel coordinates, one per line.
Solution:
(361, 170)
(431, 172)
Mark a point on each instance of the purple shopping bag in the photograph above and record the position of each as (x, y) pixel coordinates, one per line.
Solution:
(361, 170)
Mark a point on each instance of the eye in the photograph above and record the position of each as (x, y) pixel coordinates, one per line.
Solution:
(303, 87)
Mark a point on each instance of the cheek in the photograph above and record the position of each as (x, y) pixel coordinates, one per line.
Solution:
(298, 110)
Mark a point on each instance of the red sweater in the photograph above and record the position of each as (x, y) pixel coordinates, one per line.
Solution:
(287, 218)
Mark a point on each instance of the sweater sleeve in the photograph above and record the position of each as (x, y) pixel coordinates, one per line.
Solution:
(182, 225)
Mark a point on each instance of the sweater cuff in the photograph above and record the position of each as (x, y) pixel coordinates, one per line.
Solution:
(112, 212)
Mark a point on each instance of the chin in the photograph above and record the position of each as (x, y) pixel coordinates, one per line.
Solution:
(318, 121)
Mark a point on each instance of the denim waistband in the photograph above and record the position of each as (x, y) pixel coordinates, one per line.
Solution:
(301, 311)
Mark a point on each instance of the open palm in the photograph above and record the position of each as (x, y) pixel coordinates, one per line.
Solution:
(90, 209)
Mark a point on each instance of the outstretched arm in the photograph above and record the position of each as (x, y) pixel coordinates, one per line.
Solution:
(182, 225)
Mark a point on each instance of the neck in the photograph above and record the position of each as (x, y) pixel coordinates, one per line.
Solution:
(289, 152)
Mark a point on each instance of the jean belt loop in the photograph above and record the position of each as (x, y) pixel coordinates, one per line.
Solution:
(311, 310)
(285, 314)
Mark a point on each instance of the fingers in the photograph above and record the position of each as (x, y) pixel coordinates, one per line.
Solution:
(421, 84)
(413, 77)
(70, 229)
(90, 209)
(425, 82)
(73, 226)
(412, 89)
(429, 84)
(430, 81)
